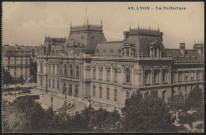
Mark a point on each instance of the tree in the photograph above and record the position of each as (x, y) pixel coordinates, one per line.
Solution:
(7, 78)
(194, 107)
(148, 114)
(33, 71)
(21, 80)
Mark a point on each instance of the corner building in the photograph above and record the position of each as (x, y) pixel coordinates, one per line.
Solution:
(86, 65)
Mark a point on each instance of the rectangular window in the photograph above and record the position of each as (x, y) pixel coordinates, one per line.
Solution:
(57, 84)
(115, 95)
(147, 77)
(156, 77)
(192, 76)
(198, 76)
(108, 93)
(94, 90)
(186, 77)
(163, 95)
(49, 82)
(41, 81)
(127, 52)
(180, 76)
(127, 95)
(164, 79)
(53, 83)
(100, 92)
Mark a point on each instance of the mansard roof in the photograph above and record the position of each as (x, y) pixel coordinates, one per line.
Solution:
(109, 48)
(142, 44)
(189, 53)
(87, 35)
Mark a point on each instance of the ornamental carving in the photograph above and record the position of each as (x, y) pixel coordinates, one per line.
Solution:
(88, 68)
(147, 68)
(119, 70)
(135, 71)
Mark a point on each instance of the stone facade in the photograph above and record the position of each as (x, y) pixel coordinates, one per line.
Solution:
(107, 72)
(16, 59)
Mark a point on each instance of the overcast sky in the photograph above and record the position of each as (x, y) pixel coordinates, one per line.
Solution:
(27, 23)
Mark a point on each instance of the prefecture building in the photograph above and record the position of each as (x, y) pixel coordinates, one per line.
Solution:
(86, 65)
(17, 60)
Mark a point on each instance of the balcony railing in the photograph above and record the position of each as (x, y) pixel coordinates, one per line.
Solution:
(132, 57)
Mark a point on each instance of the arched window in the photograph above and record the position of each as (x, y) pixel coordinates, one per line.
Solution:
(41, 67)
(65, 69)
(77, 71)
(127, 75)
(108, 75)
(71, 70)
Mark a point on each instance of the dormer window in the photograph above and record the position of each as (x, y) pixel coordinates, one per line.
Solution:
(92, 37)
(111, 51)
(104, 51)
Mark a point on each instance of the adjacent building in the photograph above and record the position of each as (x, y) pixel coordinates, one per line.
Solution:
(17, 60)
(86, 65)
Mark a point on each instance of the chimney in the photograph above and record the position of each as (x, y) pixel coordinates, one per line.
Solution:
(182, 48)
(126, 35)
(199, 48)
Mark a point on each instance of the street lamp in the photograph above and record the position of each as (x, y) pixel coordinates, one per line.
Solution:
(52, 98)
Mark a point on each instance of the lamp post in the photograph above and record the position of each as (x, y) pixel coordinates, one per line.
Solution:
(52, 98)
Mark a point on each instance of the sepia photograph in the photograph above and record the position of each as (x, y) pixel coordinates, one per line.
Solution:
(102, 67)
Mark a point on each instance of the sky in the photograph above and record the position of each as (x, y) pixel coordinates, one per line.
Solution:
(27, 23)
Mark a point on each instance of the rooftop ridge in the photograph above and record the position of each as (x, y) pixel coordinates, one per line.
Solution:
(111, 42)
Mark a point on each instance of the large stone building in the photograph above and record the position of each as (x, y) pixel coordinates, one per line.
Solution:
(86, 65)
(17, 60)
